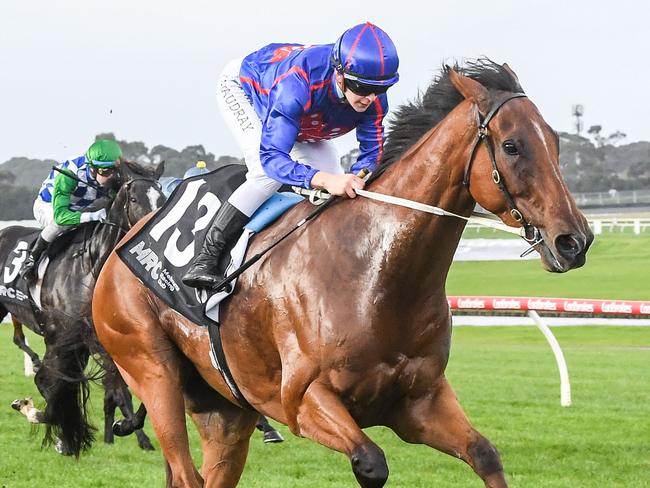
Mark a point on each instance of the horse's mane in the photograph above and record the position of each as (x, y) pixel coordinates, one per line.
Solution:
(133, 169)
(413, 119)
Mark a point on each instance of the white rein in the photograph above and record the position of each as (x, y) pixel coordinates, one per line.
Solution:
(317, 197)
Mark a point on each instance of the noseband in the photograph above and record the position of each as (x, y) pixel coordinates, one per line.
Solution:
(531, 233)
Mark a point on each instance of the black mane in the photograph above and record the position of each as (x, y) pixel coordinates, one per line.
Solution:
(413, 119)
(132, 169)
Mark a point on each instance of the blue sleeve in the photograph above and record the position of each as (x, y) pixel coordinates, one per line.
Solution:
(287, 100)
(370, 134)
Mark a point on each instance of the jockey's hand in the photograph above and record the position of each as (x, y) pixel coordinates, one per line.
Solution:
(337, 184)
(93, 216)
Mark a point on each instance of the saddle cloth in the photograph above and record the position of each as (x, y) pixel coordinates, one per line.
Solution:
(18, 241)
(160, 253)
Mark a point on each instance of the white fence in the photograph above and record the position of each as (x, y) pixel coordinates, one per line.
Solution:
(619, 225)
(612, 198)
(598, 225)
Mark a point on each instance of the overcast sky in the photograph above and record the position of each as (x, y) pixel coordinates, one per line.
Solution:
(146, 70)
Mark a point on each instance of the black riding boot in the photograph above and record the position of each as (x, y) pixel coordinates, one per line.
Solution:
(34, 255)
(227, 224)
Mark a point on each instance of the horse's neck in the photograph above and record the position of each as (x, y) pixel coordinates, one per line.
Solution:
(419, 247)
(105, 238)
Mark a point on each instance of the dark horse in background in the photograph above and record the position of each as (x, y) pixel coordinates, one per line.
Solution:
(65, 321)
(345, 324)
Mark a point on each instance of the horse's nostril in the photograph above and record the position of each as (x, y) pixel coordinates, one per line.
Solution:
(568, 246)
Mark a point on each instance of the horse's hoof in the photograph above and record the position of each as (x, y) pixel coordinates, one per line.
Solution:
(146, 446)
(16, 404)
(61, 449)
(121, 428)
(273, 436)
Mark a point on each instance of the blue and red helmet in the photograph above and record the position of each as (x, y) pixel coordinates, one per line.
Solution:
(365, 53)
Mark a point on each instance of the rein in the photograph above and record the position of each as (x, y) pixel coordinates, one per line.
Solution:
(527, 231)
(323, 199)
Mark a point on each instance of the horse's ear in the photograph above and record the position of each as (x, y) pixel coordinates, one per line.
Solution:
(469, 88)
(508, 70)
(160, 169)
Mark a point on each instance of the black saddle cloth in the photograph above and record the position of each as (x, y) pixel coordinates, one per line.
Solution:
(15, 243)
(160, 253)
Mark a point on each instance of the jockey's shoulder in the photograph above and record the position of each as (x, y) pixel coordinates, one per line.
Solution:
(282, 59)
(65, 180)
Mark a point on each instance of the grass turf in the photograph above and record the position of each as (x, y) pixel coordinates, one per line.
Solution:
(618, 267)
(505, 378)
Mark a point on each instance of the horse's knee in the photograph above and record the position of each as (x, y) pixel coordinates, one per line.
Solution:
(484, 457)
(369, 466)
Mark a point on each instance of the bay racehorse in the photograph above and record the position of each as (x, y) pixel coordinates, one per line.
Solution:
(345, 324)
(64, 318)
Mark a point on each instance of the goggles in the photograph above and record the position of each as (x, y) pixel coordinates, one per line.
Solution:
(363, 89)
(103, 170)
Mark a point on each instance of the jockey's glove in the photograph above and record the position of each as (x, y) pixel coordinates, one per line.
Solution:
(93, 216)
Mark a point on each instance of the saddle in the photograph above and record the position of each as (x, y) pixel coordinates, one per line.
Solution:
(160, 253)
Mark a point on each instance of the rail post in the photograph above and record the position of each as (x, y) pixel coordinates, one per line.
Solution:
(565, 385)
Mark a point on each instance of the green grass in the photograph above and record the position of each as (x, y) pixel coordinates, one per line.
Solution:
(618, 267)
(505, 377)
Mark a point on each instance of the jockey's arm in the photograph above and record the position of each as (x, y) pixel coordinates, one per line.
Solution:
(370, 134)
(61, 197)
(287, 102)
(63, 188)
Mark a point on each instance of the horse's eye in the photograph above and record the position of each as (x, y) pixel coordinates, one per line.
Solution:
(133, 199)
(510, 148)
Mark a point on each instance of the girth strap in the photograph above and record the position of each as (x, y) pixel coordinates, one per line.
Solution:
(216, 345)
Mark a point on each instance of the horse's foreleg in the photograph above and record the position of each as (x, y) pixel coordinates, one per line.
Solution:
(323, 418)
(19, 340)
(437, 420)
(225, 432)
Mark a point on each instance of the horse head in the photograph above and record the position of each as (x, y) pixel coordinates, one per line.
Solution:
(139, 193)
(513, 170)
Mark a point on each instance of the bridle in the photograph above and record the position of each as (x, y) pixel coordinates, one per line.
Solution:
(127, 187)
(531, 233)
(128, 184)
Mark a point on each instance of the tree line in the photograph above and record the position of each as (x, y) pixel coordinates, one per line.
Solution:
(587, 165)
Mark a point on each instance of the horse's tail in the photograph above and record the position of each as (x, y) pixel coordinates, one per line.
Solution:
(65, 387)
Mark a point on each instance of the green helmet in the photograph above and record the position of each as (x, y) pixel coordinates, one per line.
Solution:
(103, 153)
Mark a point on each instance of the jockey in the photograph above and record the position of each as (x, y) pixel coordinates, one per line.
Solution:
(283, 104)
(63, 201)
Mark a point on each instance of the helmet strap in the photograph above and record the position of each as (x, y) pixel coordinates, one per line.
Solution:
(340, 90)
